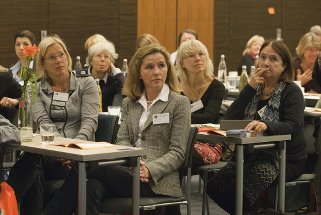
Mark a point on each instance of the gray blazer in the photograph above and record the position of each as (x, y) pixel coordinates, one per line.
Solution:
(164, 144)
(9, 134)
(75, 118)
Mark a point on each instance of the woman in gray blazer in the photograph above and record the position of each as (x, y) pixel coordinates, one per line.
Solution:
(154, 116)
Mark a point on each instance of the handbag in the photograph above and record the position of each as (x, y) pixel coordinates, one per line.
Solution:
(8, 201)
(210, 154)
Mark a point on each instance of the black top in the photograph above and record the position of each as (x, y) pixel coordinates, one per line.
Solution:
(248, 61)
(291, 113)
(315, 83)
(212, 101)
(109, 89)
(316, 74)
(9, 87)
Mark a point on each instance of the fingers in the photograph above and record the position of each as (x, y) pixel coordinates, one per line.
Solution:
(256, 127)
(7, 102)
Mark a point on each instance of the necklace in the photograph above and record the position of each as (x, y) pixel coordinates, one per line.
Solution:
(195, 98)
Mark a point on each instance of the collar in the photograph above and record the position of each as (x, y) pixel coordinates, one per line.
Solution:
(163, 96)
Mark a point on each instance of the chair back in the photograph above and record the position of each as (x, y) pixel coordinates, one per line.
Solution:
(118, 100)
(189, 152)
(107, 128)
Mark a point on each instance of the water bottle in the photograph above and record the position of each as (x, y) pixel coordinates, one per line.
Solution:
(222, 70)
(244, 78)
(252, 71)
(78, 65)
(100, 96)
(125, 67)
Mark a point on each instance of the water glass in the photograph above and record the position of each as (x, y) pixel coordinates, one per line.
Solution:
(47, 132)
(26, 134)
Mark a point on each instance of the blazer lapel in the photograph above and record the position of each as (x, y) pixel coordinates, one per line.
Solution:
(157, 108)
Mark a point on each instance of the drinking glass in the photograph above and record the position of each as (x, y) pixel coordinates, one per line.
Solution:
(47, 132)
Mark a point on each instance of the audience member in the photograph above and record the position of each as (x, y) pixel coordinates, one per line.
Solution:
(186, 34)
(250, 53)
(101, 58)
(10, 93)
(316, 74)
(62, 99)
(152, 89)
(22, 39)
(196, 74)
(146, 39)
(276, 106)
(9, 135)
(308, 51)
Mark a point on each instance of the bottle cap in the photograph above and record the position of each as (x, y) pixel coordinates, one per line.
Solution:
(243, 66)
(125, 60)
(222, 56)
(78, 57)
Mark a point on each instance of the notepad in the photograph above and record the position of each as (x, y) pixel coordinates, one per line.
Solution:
(85, 145)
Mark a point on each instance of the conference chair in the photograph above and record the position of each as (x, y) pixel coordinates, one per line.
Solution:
(120, 205)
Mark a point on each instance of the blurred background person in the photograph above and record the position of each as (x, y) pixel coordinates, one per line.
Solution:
(196, 75)
(186, 34)
(22, 39)
(276, 106)
(101, 58)
(308, 51)
(316, 74)
(68, 102)
(91, 40)
(250, 53)
(146, 39)
(10, 93)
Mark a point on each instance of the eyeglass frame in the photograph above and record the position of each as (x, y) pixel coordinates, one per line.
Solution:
(53, 58)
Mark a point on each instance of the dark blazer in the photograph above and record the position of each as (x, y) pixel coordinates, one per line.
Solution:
(164, 144)
(9, 87)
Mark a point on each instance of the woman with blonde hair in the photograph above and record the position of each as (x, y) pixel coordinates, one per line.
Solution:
(308, 51)
(146, 39)
(250, 53)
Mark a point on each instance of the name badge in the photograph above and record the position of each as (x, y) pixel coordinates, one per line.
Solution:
(160, 118)
(61, 96)
(261, 111)
(196, 106)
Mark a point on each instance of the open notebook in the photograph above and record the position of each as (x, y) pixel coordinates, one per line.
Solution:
(85, 145)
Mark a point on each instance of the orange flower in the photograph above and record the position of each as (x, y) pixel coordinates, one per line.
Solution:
(30, 51)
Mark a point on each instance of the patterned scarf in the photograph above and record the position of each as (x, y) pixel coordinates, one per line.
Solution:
(271, 112)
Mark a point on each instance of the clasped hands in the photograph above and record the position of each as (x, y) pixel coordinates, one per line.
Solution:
(256, 127)
(8, 102)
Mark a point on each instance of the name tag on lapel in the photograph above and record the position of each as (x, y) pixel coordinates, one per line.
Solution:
(60, 96)
(196, 106)
(160, 118)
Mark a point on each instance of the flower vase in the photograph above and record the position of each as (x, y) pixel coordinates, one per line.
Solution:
(25, 120)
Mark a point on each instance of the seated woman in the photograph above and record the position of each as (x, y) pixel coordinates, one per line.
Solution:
(308, 51)
(196, 74)
(21, 39)
(152, 89)
(10, 93)
(276, 106)
(62, 99)
(250, 53)
(146, 39)
(101, 58)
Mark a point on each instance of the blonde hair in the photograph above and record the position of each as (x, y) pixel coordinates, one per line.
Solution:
(316, 29)
(134, 86)
(99, 47)
(252, 40)
(43, 46)
(146, 39)
(94, 39)
(190, 47)
(308, 40)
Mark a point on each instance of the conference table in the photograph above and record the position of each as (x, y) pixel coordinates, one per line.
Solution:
(113, 154)
(275, 141)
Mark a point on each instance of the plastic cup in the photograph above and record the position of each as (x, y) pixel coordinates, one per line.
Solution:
(47, 132)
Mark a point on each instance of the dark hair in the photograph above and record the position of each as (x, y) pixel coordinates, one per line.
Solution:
(26, 33)
(281, 49)
(189, 31)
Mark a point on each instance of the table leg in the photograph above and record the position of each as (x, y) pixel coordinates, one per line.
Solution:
(82, 188)
(282, 161)
(239, 179)
(136, 188)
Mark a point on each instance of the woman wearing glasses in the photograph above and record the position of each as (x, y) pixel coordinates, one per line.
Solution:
(276, 106)
(68, 102)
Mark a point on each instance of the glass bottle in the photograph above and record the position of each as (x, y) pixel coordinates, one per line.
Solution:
(222, 70)
(125, 67)
(77, 64)
(99, 96)
(252, 70)
(244, 78)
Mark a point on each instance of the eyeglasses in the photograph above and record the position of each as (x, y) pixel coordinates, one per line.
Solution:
(272, 58)
(53, 58)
